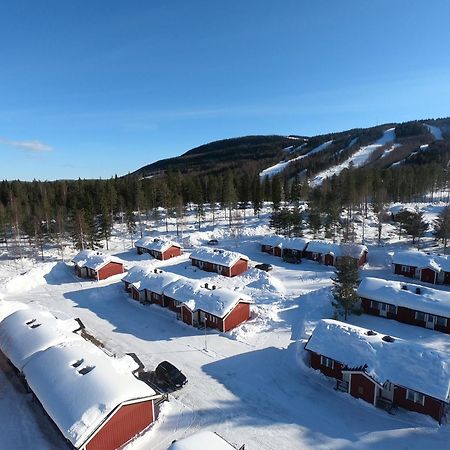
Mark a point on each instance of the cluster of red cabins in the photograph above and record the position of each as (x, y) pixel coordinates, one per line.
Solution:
(381, 369)
(324, 252)
(195, 303)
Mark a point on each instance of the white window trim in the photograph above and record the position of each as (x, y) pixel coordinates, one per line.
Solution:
(417, 397)
(324, 361)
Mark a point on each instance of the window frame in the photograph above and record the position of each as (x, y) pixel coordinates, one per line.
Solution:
(415, 397)
(326, 362)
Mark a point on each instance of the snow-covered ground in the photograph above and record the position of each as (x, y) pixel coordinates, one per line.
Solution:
(435, 131)
(279, 167)
(251, 385)
(358, 159)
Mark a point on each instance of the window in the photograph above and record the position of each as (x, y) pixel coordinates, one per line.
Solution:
(441, 321)
(392, 309)
(415, 397)
(420, 316)
(327, 362)
(374, 304)
(405, 269)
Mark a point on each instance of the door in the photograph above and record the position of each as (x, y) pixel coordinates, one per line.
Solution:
(201, 318)
(430, 321)
(387, 393)
(383, 309)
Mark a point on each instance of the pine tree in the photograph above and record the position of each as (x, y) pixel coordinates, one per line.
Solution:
(442, 227)
(130, 220)
(344, 286)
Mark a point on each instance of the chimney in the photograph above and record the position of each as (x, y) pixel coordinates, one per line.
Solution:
(418, 291)
(214, 287)
(156, 270)
(206, 286)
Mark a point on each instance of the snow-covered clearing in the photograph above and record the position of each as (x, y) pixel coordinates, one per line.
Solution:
(358, 159)
(251, 385)
(279, 167)
(435, 131)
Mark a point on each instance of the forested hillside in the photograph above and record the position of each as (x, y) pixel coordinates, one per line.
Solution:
(406, 162)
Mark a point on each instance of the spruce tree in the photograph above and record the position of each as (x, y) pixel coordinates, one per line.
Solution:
(344, 286)
(442, 227)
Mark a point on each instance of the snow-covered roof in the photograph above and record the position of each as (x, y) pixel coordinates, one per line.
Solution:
(204, 440)
(401, 362)
(93, 260)
(412, 296)
(214, 300)
(415, 258)
(78, 403)
(272, 241)
(155, 281)
(138, 272)
(157, 244)
(284, 242)
(28, 331)
(217, 256)
(344, 249)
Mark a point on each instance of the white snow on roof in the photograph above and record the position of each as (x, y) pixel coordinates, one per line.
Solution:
(217, 256)
(418, 259)
(79, 403)
(137, 272)
(157, 244)
(279, 167)
(93, 260)
(344, 249)
(435, 131)
(219, 301)
(284, 242)
(28, 331)
(155, 281)
(401, 362)
(204, 440)
(413, 296)
(358, 159)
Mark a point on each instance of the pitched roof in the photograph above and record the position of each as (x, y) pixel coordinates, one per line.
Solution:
(412, 296)
(137, 272)
(155, 281)
(214, 300)
(93, 260)
(78, 403)
(401, 362)
(343, 249)
(204, 440)
(294, 243)
(415, 258)
(217, 256)
(157, 244)
(28, 331)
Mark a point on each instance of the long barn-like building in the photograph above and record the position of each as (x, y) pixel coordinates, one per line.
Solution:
(94, 400)
(223, 262)
(383, 370)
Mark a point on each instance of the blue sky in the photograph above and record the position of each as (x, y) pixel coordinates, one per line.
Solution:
(94, 88)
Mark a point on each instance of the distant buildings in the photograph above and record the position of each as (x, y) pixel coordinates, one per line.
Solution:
(97, 266)
(161, 249)
(223, 262)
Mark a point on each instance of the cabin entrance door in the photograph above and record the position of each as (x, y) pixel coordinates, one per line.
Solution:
(387, 393)
(430, 321)
(383, 309)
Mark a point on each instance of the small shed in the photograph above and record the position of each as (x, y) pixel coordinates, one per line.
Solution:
(204, 440)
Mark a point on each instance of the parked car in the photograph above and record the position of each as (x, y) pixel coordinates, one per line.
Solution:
(213, 242)
(167, 377)
(264, 266)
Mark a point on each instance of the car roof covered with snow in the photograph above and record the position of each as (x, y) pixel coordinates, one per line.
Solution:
(79, 386)
(213, 299)
(204, 440)
(28, 331)
(217, 256)
(157, 244)
(412, 296)
(401, 362)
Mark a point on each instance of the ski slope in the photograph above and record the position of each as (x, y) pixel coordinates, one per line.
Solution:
(435, 131)
(358, 159)
(279, 167)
